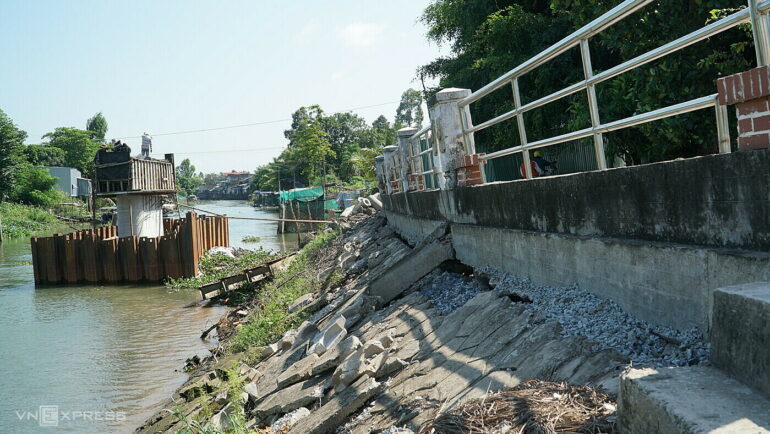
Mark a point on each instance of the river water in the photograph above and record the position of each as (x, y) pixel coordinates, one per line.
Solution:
(100, 358)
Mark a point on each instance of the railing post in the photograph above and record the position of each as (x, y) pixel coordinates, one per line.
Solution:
(447, 119)
(379, 172)
(404, 144)
(723, 128)
(522, 129)
(390, 170)
(759, 29)
(593, 106)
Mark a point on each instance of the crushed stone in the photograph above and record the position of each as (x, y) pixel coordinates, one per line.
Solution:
(448, 291)
(582, 313)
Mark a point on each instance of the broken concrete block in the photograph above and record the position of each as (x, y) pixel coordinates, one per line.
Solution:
(332, 358)
(293, 397)
(373, 348)
(289, 420)
(305, 332)
(409, 269)
(342, 405)
(301, 302)
(332, 334)
(350, 369)
(387, 340)
(695, 399)
(391, 365)
(287, 341)
(269, 350)
(298, 371)
(251, 390)
(221, 420)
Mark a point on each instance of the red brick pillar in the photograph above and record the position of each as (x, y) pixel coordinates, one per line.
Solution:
(750, 93)
(416, 182)
(469, 170)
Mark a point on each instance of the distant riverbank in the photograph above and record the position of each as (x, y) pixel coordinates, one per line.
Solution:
(17, 220)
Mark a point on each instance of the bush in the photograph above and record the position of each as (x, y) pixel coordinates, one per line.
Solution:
(23, 220)
(34, 186)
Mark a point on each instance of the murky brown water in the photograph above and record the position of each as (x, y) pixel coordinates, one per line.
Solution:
(105, 356)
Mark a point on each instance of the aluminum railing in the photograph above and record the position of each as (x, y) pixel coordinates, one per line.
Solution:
(756, 13)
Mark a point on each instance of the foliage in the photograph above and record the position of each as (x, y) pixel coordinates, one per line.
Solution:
(186, 178)
(97, 126)
(409, 112)
(215, 266)
(35, 186)
(325, 148)
(273, 320)
(11, 142)
(78, 146)
(251, 239)
(489, 37)
(22, 220)
(43, 155)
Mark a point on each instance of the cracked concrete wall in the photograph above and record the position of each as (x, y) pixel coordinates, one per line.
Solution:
(663, 283)
(716, 200)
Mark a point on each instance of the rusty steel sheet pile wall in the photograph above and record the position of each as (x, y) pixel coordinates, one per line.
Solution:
(99, 256)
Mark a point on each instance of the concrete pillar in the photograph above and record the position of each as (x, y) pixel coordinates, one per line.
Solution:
(391, 172)
(750, 93)
(446, 117)
(379, 172)
(140, 215)
(405, 171)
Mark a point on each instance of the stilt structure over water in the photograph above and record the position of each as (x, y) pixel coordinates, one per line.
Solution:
(143, 247)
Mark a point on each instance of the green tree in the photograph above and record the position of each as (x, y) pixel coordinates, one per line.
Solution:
(11, 142)
(490, 37)
(35, 186)
(43, 155)
(409, 112)
(97, 125)
(78, 146)
(311, 147)
(186, 178)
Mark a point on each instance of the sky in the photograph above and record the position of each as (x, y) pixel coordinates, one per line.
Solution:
(170, 66)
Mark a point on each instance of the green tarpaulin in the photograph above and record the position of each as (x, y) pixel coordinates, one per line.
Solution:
(308, 194)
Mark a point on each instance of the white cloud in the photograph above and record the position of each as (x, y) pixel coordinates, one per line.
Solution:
(361, 34)
(307, 32)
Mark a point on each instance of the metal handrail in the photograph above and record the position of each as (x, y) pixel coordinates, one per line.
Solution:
(756, 13)
(415, 158)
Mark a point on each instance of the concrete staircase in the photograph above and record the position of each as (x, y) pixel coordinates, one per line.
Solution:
(731, 397)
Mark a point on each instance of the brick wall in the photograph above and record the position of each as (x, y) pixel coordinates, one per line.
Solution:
(750, 93)
(469, 171)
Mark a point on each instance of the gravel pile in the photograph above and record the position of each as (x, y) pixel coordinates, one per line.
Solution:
(448, 291)
(584, 314)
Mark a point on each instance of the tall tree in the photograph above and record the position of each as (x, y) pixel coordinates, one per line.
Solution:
(97, 125)
(78, 146)
(43, 155)
(186, 178)
(11, 142)
(490, 37)
(409, 112)
(311, 147)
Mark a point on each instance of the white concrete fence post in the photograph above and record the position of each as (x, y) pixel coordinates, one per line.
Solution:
(460, 166)
(391, 170)
(404, 136)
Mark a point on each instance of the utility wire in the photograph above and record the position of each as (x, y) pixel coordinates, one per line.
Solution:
(251, 124)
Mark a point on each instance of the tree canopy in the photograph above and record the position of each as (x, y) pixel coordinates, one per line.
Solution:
(78, 147)
(11, 143)
(97, 125)
(490, 37)
(409, 112)
(186, 179)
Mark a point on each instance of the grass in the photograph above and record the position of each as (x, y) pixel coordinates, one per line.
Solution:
(24, 220)
(218, 265)
(273, 320)
(251, 239)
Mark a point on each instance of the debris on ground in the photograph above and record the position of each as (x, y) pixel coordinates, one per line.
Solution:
(585, 314)
(534, 407)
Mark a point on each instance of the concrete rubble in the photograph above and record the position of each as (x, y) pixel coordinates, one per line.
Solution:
(398, 354)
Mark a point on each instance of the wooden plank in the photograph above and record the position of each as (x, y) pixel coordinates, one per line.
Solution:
(108, 251)
(169, 253)
(36, 261)
(51, 262)
(195, 246)
(87, 257)
(232, 280)
(205, 290)
(149, 256)
(71, 274)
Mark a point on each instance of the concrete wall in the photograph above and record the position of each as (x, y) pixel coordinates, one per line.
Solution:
(717, 200)
(664, 283)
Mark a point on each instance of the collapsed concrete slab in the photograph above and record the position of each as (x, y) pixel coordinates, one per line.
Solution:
(740, 333)
(689, 400)
(419, 262)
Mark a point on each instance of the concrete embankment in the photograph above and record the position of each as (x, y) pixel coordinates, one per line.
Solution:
(410, 334)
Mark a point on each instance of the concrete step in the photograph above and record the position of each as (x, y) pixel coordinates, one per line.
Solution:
(740, 333)
(694, 399)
